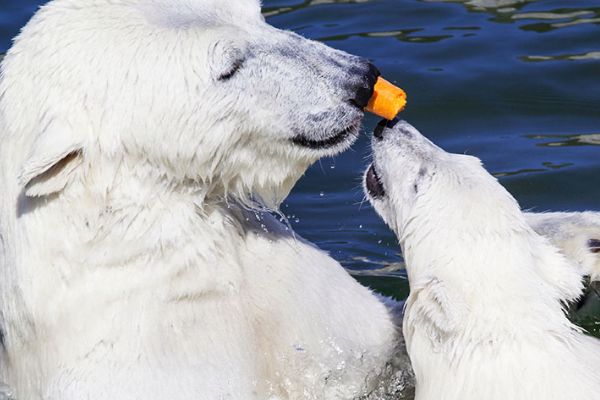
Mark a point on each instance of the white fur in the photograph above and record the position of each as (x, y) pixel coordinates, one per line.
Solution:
(131, 266)
(485, 317)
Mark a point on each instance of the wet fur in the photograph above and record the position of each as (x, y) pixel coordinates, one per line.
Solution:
(485, 318)
(136, 139)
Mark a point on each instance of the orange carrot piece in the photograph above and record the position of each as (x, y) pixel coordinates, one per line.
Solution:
(387, 101)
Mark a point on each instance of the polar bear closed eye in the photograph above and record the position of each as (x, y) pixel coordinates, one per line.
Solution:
(485, 318)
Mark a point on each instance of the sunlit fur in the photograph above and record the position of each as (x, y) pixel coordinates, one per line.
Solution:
(131, 267)
(485, 316)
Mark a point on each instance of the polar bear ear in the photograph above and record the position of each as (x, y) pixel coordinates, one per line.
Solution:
(55, 155)
(432, 305)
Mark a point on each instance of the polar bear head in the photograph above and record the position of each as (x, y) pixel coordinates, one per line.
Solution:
(455, 222)
(183, 93)
(410, 173)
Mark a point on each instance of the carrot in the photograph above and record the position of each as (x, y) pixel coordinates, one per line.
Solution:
(387, 101)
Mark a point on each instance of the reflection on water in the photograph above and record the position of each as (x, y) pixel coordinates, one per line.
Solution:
(503, 11)
(382, 268)
(553, 15)
(388, 279)
(407, 35)
(271, 11)
(542, 140)
(592, 55)
(592, 139)
(560, 18)
(547, 166)
(485, 5)
(538, 21)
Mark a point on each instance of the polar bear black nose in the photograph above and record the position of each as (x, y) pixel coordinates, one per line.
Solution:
(364, 91)
(382, 126)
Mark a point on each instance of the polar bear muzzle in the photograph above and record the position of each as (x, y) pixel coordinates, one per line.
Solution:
(360, 93)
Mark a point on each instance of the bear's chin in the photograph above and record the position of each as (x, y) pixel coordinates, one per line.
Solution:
(337, 143)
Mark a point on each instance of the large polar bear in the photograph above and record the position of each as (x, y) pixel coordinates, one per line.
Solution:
(485, 316)
(137, 139)
(136, 134)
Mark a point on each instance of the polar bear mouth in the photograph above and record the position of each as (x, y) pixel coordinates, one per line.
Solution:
(373, 183)
(344, 136)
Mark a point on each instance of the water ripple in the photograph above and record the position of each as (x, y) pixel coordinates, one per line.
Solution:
(592, 139)
(277, 10)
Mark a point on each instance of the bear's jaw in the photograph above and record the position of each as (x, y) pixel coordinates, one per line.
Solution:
(341, 140)
(373, 183)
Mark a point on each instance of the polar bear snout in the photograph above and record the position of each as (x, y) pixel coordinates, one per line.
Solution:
(394, 127)
(351, 81)
(402, 169)
(363, 91)
(393, 146)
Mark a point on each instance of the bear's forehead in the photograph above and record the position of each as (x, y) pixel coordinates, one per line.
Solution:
(206, 12)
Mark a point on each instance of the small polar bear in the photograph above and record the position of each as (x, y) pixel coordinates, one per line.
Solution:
(485, 316)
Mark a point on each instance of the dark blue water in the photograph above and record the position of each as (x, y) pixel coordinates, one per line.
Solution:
(516, 83)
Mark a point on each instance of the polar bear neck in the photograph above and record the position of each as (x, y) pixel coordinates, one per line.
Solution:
(136, 208)
(491, 264)
(155, 241)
